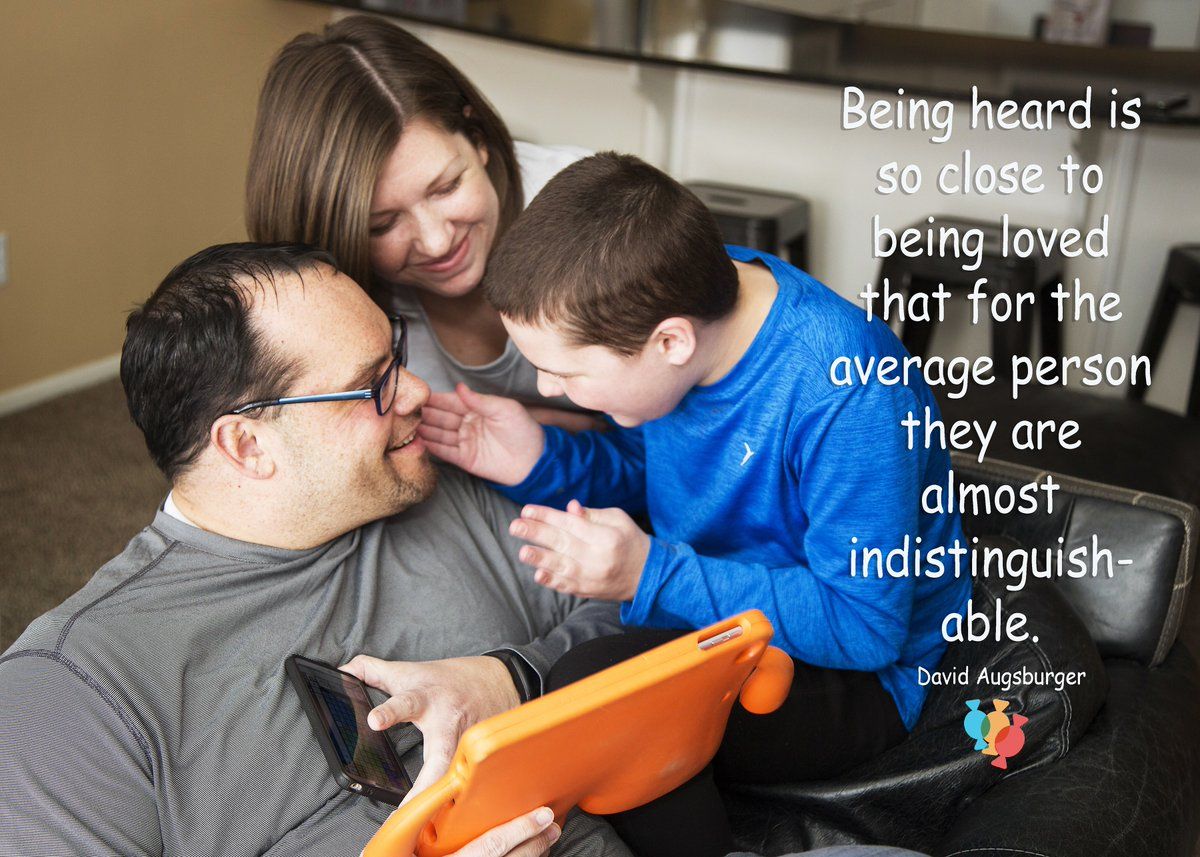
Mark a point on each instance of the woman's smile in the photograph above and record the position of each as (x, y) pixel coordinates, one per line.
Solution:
(452, 261)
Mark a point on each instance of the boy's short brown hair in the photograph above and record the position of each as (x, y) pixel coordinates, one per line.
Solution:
(608, 249)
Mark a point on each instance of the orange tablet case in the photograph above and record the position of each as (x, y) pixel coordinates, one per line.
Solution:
(611, 742)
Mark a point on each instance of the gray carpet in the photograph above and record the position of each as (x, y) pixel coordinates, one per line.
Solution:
(76, 483)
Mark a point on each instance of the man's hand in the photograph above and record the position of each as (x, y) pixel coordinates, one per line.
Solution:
(441, 698)
(592, 553)
(530, 835)
(488, 436)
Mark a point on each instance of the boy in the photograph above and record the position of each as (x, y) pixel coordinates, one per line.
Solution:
(759, 475)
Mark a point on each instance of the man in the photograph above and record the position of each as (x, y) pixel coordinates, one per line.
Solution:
(149, 713)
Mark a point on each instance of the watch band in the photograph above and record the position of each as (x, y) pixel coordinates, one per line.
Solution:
(519, 669)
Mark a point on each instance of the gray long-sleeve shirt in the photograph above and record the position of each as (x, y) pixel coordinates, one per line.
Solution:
(150, 714)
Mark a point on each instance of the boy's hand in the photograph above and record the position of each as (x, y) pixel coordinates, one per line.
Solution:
(592, 553)
(488, 436)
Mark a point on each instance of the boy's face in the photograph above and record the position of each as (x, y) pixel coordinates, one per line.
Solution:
(632, 390)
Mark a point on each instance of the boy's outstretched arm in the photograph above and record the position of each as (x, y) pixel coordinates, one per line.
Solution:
(821, 614)
(496, 439)
(858, 486)
(823, 618)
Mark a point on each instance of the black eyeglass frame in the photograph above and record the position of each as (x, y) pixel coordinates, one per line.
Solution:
(377, 390)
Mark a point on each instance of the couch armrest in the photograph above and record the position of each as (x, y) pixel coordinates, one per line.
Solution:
(1136, 615)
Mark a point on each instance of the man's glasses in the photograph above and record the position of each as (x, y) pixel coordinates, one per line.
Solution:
(382, 391)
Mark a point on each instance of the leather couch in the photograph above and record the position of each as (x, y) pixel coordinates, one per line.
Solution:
(1124, 442)
(1110, 765)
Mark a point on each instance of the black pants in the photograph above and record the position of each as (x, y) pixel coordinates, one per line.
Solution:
(831, 721)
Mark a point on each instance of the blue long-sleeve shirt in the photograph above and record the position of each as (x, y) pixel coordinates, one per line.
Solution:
(757, 484)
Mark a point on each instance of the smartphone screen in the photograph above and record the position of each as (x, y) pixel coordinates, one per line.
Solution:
(337, 705)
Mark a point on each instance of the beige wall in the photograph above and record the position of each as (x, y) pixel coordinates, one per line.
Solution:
(124, 131)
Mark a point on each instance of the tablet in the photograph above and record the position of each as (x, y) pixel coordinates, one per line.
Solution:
(361, 760)
(610, 742)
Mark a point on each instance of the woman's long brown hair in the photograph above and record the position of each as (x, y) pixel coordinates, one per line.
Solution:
(332, 109)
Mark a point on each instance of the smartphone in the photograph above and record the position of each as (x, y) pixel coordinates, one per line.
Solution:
(362, 760)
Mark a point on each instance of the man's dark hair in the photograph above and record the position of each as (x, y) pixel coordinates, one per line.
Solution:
(193, 353)
(608, 249)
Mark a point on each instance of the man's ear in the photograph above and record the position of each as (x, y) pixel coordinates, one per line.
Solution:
(238, 439)
(675, 340)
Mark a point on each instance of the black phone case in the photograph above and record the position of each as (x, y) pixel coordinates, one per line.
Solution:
(311, 710)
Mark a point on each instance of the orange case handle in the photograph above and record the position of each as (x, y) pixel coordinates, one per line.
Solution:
(399, 834)
(767, 687)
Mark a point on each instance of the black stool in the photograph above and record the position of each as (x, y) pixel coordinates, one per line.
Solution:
(1180, 284)
(759, 219)
(1037, 274)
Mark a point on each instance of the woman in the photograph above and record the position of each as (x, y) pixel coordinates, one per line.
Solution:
(373, 146)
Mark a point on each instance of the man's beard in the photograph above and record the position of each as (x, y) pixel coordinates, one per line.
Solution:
(414, 486)
(338, 502)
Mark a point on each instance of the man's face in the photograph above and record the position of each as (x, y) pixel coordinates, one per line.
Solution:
(341, 463)
(632, 390)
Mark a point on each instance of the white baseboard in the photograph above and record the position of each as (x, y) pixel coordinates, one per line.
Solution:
(28, 395)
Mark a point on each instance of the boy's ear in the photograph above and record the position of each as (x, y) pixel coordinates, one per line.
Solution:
(675, 339)
(239, 440)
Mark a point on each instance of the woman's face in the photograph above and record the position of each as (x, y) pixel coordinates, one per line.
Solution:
(434, 212)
